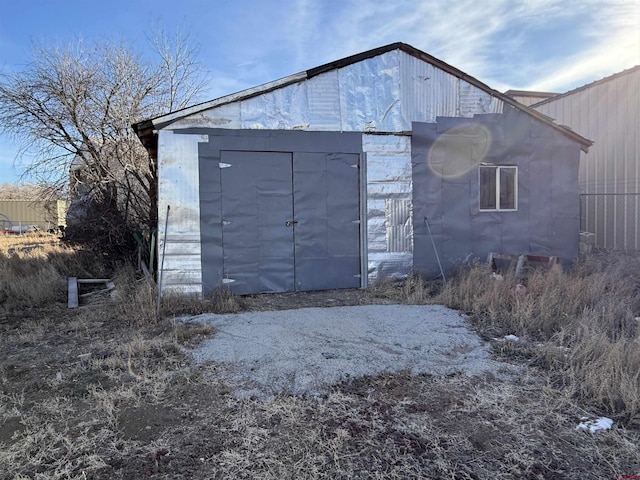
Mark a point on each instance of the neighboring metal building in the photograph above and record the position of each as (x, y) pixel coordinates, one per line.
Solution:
(18, 214)
(527, 97)
(608, 112)
(355, 170)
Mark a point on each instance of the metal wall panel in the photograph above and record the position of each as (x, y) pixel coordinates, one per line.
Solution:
(21, 213)
(475, 101)
(179, 188)
(370, 95)
(388, 186)
(380, 94)
(282, 109)
(323, 94)
(607, 112)
(428, 92)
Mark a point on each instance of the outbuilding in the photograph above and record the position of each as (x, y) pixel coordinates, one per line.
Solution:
(368, 167)
(608, 112)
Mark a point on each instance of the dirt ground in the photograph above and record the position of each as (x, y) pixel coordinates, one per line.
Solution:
(85, 394)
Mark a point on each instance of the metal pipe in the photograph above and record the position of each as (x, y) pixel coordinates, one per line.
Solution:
(164, 248)
(435, 249)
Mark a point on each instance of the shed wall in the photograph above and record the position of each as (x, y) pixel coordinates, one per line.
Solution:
(44, 214)
(178, 189)
(381, 94)
(446, 205)
(607, 112)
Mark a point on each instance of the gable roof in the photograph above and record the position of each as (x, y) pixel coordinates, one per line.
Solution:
(146, 129)
(589, 85)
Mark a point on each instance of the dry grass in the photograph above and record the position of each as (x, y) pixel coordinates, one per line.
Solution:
(582, 323)
(107, 391)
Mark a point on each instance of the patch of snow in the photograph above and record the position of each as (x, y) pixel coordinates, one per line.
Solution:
(602, 423)
(511, 338)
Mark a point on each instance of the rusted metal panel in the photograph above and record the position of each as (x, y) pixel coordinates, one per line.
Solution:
(608, 112)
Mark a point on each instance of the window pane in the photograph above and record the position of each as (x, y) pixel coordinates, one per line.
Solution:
(507, 188)
(488, 188)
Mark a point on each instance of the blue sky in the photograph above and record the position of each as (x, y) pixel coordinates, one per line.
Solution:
(522, 44)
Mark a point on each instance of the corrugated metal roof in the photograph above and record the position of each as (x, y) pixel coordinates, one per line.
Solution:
(145, 129)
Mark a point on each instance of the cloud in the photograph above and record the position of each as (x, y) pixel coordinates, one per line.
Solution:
(614, 37)
(542, 44)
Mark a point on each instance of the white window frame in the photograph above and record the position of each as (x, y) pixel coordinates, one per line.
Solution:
(497, 192)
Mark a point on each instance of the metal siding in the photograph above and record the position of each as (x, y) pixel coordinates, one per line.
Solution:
(475, 101)
(427, 92)
(370, 95)
(607, 112)
(224, 116)
(44, 214)
(323, 95)
(281, 109)
(178, 187)
(388, 182)
(384, 93)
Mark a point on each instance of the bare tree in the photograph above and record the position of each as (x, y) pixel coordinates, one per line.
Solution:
(72, 109)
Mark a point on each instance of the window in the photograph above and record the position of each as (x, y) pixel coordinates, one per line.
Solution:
(498, 188)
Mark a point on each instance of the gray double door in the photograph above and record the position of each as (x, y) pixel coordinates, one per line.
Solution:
(290, 221)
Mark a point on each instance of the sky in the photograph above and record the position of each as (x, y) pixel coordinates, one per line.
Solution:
(544, 45)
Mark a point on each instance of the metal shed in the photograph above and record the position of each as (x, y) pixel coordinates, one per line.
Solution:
(20, 215)
(329, 177)
(607, 111)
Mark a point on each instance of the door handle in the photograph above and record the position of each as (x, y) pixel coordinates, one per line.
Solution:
(290, 223)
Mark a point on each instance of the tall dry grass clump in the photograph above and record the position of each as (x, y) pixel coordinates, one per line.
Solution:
(31, 271)
(585, 319)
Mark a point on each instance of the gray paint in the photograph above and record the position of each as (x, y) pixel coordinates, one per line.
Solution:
(258, 252)
(277, 177)
(547, 219)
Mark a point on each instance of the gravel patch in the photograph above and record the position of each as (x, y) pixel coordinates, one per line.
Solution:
(306, 350)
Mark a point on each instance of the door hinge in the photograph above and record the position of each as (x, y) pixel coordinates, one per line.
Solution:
(355, 221)
(225, 222)
(224, 165)
(227, 280)
(355, 165)
(357, 276)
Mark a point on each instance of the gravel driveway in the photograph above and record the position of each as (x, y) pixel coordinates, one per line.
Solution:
(306, 350)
